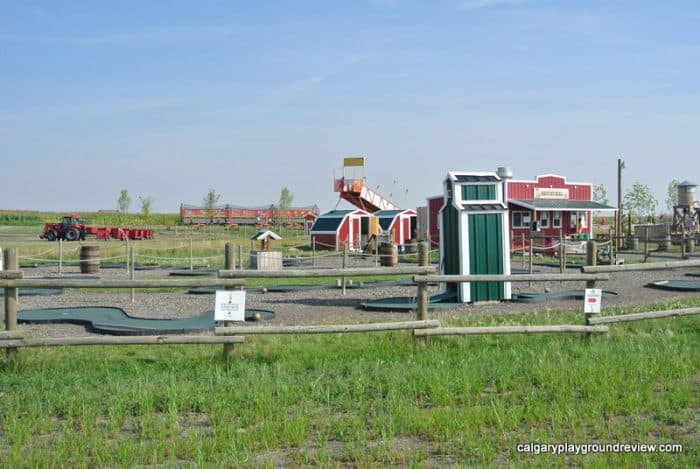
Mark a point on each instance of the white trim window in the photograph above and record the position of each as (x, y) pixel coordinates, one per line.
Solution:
(521, 219)
(544, 219)
(556, 219)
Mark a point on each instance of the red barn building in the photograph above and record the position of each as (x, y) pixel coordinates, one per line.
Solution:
(400, 223)
(546, 205)
(339, 228)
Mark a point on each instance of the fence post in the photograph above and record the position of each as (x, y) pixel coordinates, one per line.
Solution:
(313, 252)
(132, 272)
(240, 257)
(646, 243)
(522, 250)
(11, 261)
(60, 256)
(422, 287)
(345, 257)
(191, 261)
(683, 256)
(228, 265)
(591, 259)
(562, 253)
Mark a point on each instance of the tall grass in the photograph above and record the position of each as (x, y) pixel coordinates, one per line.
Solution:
(367, 400)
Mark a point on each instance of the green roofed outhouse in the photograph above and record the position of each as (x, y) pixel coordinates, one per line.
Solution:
(474, 234)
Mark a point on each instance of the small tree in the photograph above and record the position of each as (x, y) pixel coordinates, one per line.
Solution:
(286, 199)
(600, 195)
(124, 201)
(146, 203)
(672, 195)
(639, 200)
(210, 201)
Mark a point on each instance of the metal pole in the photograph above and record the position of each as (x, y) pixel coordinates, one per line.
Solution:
(240, 257)
(228, 265)
(132, 272)
(313, 252)
(191, 260)
(618, 224)
(530, 268)
(522, 250)
(60, 256)
(11, 261)
(126, 252)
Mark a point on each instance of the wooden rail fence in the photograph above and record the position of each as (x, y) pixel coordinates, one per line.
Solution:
(11, 279)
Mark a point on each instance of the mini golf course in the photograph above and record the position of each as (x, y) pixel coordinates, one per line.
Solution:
(115, 321)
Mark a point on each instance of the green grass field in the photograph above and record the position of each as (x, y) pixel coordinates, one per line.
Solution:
(360, 400)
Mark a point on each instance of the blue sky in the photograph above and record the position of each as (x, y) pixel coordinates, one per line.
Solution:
(168, 99)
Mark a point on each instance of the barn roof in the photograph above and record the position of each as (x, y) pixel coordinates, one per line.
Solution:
(327, 224)
(265, 234)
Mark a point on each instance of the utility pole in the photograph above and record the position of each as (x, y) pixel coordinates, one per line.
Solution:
(618, 222)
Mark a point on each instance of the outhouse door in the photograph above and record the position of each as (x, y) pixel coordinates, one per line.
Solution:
(486, 255)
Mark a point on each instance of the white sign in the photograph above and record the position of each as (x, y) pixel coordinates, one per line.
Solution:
(229, 305)
(592, 300)
(551, 193)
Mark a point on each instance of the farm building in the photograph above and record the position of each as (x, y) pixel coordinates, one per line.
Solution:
(474, 238)
(549, 204)
(400, 223)
(339, 228)
(543, 206)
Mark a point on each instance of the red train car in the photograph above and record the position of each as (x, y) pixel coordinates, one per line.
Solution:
(238, 215)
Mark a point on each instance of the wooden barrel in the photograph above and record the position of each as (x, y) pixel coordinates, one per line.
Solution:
(89, 259)
(411, 246)
(388, 254)
(665, 244)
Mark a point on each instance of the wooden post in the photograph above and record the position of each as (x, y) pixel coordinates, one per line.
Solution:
(313, 252)
(562, 251)
(345, 257)
(522, 250)
(591, 259)
(60, 256)
(132, 273)
(591, 256)
(240, 257)
(422, 293)
(646, 243)
(191, 260)
(228, 265)
(376, 251)
(683, 254)
(11, 262)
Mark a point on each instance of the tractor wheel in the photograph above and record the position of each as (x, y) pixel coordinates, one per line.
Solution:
(72, 234)
(51, 236)
(83, 235)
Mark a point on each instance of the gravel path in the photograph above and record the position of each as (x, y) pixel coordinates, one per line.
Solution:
(319, 306)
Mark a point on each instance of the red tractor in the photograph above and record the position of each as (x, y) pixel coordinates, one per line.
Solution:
(72, 228)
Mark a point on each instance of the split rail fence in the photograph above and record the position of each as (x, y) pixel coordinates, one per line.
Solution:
(12, 279)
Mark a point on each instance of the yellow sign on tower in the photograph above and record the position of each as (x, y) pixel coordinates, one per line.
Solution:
(354, 161)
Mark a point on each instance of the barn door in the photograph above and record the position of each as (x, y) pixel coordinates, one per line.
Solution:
(486, 255)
